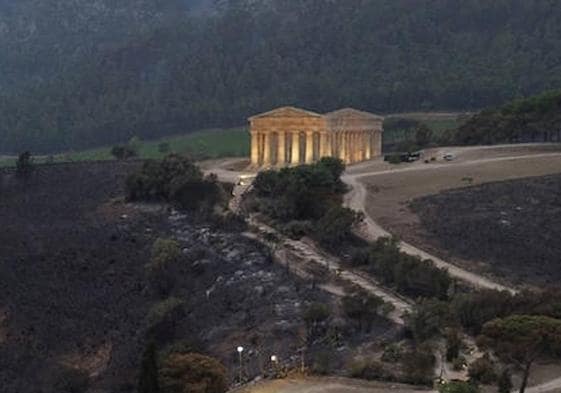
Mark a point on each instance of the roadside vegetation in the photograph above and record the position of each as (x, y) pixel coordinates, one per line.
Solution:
(516, 330)
(533, 119)
(305, 201)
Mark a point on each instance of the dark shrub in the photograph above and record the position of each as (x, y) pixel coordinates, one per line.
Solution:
(483, 371)
(175, 179)
(148, 381)
(192, 372)
(362, 308)
(336, 226)
(24, 165)
(123, 152)
(418, 366)
(458, 387)
(71, 380)
(370, 370)
(163, 318)
(453, 344)
(316, 316)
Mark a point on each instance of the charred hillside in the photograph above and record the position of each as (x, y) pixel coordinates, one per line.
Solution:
(78, 304)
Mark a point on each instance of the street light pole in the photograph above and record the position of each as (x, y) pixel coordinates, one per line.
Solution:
(240, 351)
(275, 363)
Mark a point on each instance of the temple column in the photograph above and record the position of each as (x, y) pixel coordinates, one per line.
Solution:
(367, 145)
(352, 147)
(295, 156)
(309, 147)
(254, 148)
(346, 145)
(378, 145)
(325, 148)
(281, 152)
(343, 146)
(360, 146)
(267, 149)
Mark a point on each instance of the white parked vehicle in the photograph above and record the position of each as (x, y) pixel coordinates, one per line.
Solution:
(449, 156)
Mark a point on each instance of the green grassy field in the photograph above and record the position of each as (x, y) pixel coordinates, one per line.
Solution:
(438, 122)
(200, 145)
(232, 142)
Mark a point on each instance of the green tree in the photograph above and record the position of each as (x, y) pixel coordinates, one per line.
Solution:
(483, 370)
(423, 135)
(164, 148)
(335, 166)
(336, 225)
(148, 381)
(521, 339)
(362, 307)
(24, 165)
(123, 152)
(162, 318)
(161, 269)
(453, 344)
(427, 319)
(193, 373)
(458, 387)
(316, 316)
(504, 384)
(135, 144)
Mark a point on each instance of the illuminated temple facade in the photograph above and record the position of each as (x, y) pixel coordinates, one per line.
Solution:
(293, 136)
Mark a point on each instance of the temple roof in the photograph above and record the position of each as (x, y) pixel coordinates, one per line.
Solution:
(286, 111)
(350, 112)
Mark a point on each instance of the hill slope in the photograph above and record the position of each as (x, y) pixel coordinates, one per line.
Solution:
(157, 69)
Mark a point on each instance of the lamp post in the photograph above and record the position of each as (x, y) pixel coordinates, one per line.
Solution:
(240, 350)
(275, 365)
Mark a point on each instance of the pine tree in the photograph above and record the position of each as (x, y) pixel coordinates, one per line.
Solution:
(504, 383)
(148, 378)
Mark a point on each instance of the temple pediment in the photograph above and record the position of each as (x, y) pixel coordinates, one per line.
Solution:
(351, 113)
(286, 112)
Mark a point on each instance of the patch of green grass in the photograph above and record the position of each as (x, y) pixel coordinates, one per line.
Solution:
(437, 122)
(200, 145)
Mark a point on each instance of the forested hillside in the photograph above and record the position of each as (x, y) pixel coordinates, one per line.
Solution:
(150, 68)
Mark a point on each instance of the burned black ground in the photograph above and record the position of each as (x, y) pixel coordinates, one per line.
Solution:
(512, 226)
(74, 296)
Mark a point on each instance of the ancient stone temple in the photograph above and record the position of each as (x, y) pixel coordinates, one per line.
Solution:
(293, 136)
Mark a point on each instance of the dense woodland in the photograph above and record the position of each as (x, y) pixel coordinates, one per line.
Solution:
(76, 74)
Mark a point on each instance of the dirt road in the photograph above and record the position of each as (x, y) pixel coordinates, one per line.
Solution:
(300, 255)
(330, 385)
(357, 199)
(553, 386)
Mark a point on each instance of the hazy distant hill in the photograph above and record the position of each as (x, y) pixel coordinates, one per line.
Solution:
(42, 38)
(83, 73)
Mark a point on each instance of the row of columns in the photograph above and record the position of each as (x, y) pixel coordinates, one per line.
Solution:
(293, 148)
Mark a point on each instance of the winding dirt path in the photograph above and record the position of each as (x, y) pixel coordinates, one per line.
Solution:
(299, 255)
(370, 230)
